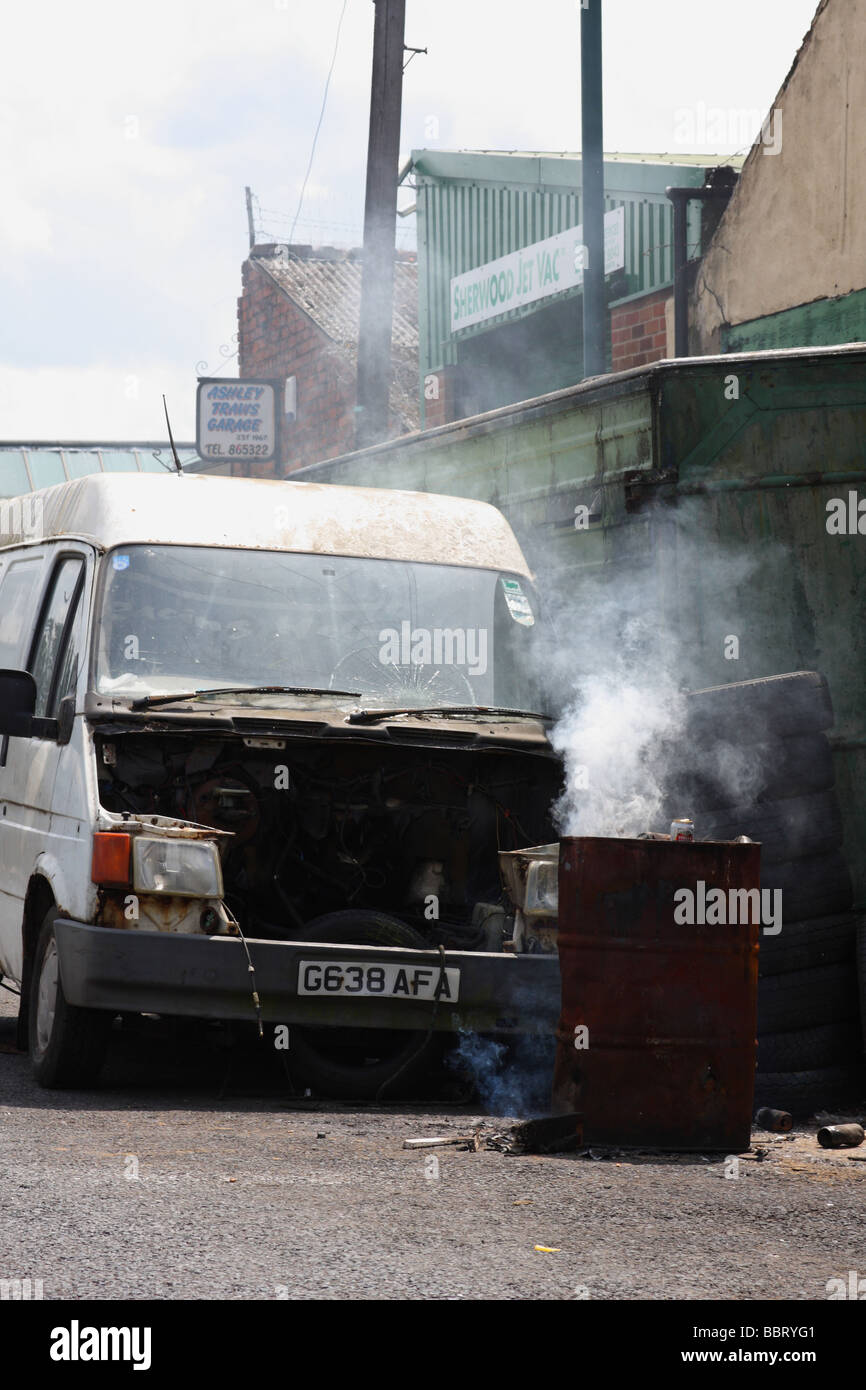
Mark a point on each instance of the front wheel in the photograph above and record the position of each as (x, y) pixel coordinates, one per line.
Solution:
(67, 1044)
(363, 1064)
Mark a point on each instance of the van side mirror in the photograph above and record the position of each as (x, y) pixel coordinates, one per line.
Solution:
(17, 703)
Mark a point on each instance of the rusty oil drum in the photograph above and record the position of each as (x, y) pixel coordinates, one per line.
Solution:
(670, 1010)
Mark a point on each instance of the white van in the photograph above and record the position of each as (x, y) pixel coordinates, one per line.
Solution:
(261, 745)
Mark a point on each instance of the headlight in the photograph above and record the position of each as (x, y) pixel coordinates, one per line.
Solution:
(542, 889)
(182, 868)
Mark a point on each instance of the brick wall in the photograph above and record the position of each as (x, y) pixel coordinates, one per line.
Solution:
(440, 397)
(638, 331)
(277, 339)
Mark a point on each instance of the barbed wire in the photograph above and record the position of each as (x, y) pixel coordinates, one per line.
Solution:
(352, 235)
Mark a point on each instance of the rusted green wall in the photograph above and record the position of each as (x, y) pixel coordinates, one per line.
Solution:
(750, 449)
(823, 321)
(760, 470)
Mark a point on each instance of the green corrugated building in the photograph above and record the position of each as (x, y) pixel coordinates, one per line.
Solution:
(476, 208)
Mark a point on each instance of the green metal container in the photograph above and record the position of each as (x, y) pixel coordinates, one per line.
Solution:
(753, 447)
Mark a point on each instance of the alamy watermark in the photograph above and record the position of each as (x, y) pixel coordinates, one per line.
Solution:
(438, 646)
(730, 128)
(77, 1343)
(846, 516)
(715, 907)
(20, 1290)
(854, 1287)
(21, 518)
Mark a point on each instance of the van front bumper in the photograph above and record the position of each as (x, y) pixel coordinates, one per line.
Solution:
(209, 977)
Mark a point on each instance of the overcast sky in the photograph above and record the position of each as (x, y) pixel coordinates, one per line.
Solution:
(128, 133)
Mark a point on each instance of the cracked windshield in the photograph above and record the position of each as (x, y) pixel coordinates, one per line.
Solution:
(176, 619)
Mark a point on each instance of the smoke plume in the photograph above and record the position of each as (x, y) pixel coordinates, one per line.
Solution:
(512, 1079)
(622, 665)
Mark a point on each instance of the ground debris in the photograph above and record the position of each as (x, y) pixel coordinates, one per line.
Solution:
(470, 1142)
(549, 1135)
(779, 1121)
(846, 1136)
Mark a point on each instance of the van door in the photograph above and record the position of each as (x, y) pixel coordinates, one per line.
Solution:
(51, 626)
(21, 580)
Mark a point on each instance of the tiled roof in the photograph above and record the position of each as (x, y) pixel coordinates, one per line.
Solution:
(326, 284)
(329, 290)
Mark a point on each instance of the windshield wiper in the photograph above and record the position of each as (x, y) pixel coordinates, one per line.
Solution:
(147, 700)
(372, 716)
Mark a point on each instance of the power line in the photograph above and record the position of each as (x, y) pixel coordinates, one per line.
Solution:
(321, 118)
(268, 216)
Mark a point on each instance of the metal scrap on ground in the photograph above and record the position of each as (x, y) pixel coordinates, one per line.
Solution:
(552, 1134)
(437, 1143)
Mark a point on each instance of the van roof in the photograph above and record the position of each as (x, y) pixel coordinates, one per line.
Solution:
(261, 514)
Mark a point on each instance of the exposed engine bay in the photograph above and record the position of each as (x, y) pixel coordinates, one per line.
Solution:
(321, 825)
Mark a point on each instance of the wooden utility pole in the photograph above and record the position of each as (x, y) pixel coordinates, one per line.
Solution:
(592, 190)
(380, 221)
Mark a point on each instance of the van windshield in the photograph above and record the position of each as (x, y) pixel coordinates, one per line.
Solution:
(182, 618)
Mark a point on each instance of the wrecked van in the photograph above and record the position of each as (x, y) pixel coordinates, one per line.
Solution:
(262, 744)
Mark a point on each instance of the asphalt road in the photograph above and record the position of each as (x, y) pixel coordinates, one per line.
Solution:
(176, 1180)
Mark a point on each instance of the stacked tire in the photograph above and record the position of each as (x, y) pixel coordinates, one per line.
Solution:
(774, 733)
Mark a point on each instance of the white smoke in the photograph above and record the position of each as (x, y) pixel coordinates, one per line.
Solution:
(621, 672)
(511, 1079)
(610, 740)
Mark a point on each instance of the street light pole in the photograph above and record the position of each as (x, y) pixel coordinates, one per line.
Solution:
(380, 220)
(592, 193)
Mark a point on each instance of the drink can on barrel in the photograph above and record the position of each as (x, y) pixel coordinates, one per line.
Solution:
(682, 829)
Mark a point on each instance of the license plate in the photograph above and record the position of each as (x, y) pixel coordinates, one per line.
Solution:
(370, 979)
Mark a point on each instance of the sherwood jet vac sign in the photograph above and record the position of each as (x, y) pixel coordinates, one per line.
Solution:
(547, 267)
(236, 419)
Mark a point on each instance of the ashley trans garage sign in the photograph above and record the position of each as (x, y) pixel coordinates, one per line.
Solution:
(236, 419)
(547, 267)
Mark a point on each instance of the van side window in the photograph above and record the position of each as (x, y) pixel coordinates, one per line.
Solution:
(52, 640)
(67, 671)
(17, 596)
